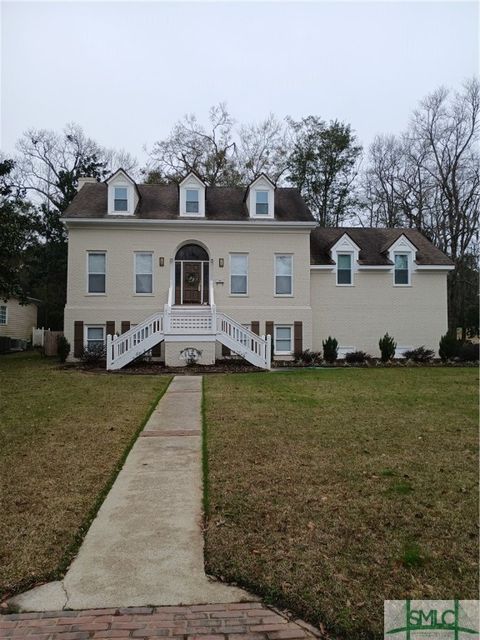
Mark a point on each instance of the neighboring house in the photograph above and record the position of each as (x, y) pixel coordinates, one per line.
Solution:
(17, 320)
(170, 268)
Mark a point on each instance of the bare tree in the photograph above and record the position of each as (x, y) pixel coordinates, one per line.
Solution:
(263, 148)
(429, 178)
(191, 147)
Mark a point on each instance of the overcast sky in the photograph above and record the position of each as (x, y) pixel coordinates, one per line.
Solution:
(126, 71)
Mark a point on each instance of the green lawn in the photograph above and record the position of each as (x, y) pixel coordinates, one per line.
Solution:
(330, 491)
(63, 434)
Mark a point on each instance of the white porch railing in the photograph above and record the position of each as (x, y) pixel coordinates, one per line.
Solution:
(188, 322)
(135, 342)
(255, 349)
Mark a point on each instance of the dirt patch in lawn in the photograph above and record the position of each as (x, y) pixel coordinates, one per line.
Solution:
(63, 435)
(331, 491)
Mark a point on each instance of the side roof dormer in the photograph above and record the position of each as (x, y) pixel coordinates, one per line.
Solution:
(123, 194)
(260, 198)
(191, 200)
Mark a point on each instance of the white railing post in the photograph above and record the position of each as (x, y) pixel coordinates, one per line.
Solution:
(268, 352)
(109, 352)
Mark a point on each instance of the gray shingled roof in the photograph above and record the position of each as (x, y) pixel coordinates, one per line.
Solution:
(160, 202)
(374, 245)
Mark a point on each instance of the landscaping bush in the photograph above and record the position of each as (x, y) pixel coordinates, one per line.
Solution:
(308, 358)
(387, 346)
(94, 354)
(330, 349)
(449, 347)
(469, 352)
(63, 348)
(356, 357)
(420, 354)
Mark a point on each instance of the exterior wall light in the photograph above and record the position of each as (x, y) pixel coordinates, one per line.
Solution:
(161, 261)
(220, 262)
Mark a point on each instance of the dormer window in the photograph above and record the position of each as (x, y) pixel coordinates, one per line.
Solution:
(121, 199)
(344, 268)
(192, 190)
(260, 198)
(345, 253)
(192, 201)
(261, 203)
(123, 194)
(402, 272)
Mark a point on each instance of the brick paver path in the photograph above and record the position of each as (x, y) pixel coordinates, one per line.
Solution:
(238, 621)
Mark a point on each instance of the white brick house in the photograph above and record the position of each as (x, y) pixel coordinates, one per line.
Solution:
(219, 269)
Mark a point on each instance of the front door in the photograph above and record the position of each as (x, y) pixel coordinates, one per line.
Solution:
(192, 283)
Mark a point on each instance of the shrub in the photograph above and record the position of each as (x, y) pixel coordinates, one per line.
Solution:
(387, 346)
(420, 354)
(63, 348)
(93, 354)
(469, 352)
(330, 349)
(449, 347)
(308, 358)
(356, 357)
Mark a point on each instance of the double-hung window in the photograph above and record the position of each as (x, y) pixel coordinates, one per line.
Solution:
(120, 201)
(261, 203)
(95, 336)
(283, 275)
(3, 314)
(344, 268)
(402, 274)
(143, 272)
(283, 340)
(96, 271)
(239, 274)
(192, 201)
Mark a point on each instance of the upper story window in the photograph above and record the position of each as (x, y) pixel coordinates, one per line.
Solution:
(283, 275)
(143, 273)
(261, 203)
(344, 268)
(192, 191)
(402, 272)
(96, 271)
(260, 198)
(192, 201)
(120, 202)
(239, 274)
(3, 314)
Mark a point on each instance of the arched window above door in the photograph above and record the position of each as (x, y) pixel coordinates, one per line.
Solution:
(191, 252)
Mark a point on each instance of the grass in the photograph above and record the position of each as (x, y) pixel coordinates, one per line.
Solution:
(64, 436)
(330, 491)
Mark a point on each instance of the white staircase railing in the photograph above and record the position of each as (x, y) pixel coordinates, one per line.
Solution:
(204, 320)
(135, 342)
(255, 349)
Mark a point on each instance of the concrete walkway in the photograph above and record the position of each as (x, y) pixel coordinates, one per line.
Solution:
(145, 547)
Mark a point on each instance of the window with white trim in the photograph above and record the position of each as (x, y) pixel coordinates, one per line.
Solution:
(95, 336)
(96, 271)
(239, 274)
(192, 201)
(3, 314)
(143, 272)
(120, 199)
(344, 268)
(283, 275)
(402, 272)
(283, 340)
(261, 203)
